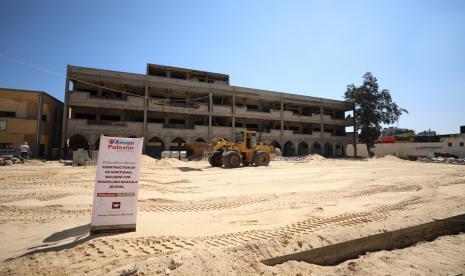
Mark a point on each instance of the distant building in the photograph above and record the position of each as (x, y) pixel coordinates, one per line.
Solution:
(395, 131)
(31, 116)
(428, 132)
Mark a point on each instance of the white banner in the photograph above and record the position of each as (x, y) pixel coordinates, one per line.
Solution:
(116, 184)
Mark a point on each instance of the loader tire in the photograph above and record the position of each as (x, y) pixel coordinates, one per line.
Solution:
(231, 159)
(262, 158)
(214, 159)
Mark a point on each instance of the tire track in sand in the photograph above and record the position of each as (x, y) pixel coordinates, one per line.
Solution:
(112, 248)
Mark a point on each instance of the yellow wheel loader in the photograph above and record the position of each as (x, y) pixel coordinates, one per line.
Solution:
(245, 151)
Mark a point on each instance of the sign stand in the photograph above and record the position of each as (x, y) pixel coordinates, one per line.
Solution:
(116, 185)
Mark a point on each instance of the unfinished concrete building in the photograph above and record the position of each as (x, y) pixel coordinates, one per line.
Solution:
(171, 106)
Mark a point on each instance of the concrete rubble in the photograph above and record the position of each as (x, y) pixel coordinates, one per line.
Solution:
(6, 160)
(81, 158)
(448, 160)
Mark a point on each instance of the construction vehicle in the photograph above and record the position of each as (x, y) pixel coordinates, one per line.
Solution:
(244, 151)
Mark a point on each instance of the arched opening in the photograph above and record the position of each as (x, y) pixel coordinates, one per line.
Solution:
(328, 149)
(339, 150)
(154, 147)
(178, 144)
(200, 140)
(289, 149)
(303, 148)
(78, 141)
(276, 144)
(316, 148)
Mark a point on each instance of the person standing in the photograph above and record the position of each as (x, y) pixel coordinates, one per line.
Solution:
(25, 151)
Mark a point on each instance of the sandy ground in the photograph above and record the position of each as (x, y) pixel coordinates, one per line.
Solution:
(197, 220)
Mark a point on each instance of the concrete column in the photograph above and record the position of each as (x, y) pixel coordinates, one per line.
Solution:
(210, 110)
(146, 104)
(39, 125)
(282, 122)
(322, 129)
(234, 115)
(64, 128)
(355, 132)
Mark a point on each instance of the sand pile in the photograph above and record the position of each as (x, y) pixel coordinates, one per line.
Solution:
(148, 162)
(388, 158)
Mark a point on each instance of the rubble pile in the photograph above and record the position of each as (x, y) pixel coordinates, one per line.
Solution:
(9, 160)
(304, 158)
(444, 160)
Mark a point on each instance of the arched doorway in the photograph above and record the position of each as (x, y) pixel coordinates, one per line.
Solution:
(154, 147)
(339, 150)
(316, 148)
(276, 144)
(200, 140)
(178, 144)
(289, 149)
(302, 149)
(78, 141)
(328, 149)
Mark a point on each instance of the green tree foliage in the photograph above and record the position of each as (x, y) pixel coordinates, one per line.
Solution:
(372, 108)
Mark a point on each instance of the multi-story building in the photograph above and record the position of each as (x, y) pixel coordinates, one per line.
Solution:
(170, 106)
(30, 116)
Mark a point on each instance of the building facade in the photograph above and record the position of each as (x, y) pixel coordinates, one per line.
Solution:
(30, 116)
(171, 106)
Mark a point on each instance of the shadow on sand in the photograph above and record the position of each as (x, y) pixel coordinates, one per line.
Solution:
(189, 169)
(80, 233)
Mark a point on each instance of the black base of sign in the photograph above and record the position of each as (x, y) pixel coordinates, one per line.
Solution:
(112, 228)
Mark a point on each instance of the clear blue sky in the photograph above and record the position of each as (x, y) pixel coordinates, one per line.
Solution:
(415, 48)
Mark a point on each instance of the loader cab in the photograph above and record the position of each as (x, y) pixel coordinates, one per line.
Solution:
(249, 138)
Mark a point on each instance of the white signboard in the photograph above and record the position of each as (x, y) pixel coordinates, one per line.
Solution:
(116, 185)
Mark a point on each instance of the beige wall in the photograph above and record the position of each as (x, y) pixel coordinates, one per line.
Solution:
(417, 149)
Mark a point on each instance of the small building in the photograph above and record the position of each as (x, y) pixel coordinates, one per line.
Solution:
(31, 116)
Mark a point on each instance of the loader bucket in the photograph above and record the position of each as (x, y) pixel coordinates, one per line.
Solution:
(196, 151)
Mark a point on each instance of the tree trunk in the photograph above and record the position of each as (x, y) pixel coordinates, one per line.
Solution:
(369, 150)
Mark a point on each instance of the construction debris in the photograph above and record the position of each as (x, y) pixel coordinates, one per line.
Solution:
(304, 158)
(81, 158)
(448, 160)
(9, 160)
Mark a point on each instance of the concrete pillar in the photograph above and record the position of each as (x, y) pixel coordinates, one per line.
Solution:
(322, 130)
(234, 115)
(64, 128)
(146, 104)
(36, 149)
(355, 132)
(282, 122)
(210, 110)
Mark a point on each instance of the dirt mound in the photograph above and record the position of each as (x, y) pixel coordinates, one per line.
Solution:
(388, 158)
(34, 162)
(148, 162)
(315, 157)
